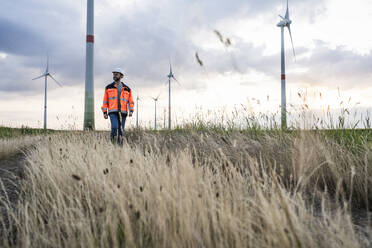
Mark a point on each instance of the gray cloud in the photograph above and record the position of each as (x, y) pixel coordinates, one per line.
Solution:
(336, 67)
(17, 39)
(142, 41)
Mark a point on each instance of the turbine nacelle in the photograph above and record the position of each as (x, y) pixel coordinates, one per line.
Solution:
(284, 22)
(47, 74)
(281, 24)
(156, 98)
(171, 75)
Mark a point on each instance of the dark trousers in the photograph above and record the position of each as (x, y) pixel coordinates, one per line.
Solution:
(117, 127)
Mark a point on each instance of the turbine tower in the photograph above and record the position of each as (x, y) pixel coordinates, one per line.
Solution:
(170, 76)
(156, 101)
(89, 79)
(46, 75)
(285, 22)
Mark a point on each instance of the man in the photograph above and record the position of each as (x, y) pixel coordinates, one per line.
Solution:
(116, 99)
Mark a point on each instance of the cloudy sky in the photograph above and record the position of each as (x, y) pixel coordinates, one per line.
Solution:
(331, 38)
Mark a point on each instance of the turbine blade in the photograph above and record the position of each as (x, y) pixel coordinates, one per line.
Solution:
(176, 80)
(150, 97)
(170, 67)
(55, 80)
(47, 69)
(39, 77)
(287, 12)
(281, 17)
(290, 34)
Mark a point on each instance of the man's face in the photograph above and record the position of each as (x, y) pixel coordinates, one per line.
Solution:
(117, 76)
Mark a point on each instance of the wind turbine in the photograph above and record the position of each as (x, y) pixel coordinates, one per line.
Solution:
(170, 76)
(156, 101)
(46, 75)
(285, 22)
(89, 72)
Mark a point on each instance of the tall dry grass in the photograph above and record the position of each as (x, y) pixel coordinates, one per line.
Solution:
(10, 146)
(191, 189)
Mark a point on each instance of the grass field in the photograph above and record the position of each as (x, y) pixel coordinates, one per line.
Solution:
(194, 186)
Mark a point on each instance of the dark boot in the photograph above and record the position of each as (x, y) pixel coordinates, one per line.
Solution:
(113, 139)
(120, 140)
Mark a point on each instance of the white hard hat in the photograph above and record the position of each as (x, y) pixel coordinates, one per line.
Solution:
(118, 70)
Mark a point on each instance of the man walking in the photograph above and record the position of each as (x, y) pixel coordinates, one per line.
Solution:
(116, 99)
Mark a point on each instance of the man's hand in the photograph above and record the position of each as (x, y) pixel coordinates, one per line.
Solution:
(130, 113)
(105, 115)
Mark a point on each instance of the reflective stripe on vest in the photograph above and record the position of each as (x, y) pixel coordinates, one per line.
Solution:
(113, 110)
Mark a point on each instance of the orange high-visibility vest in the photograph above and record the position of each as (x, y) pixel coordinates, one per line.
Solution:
(110, 99)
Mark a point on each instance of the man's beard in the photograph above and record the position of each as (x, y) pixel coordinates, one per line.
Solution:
(116, 79)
